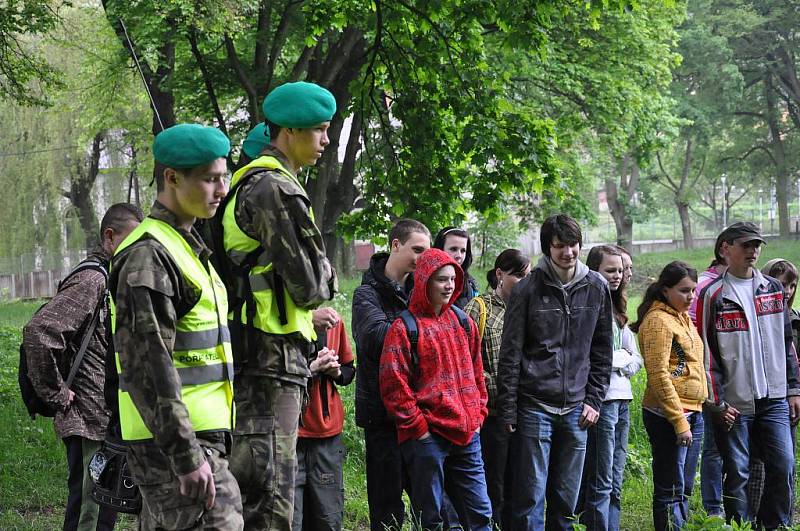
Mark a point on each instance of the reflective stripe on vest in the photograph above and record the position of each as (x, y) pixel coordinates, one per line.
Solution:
(202, 352)
(238, 245)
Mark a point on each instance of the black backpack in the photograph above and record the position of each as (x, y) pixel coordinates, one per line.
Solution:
(412, 330)
(33, 403)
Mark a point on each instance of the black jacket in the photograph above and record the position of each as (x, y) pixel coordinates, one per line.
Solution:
(377, 302)
(557, 342)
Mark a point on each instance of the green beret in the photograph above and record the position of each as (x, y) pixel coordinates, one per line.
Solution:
(188, 145)
(300, 105)
(257, 139)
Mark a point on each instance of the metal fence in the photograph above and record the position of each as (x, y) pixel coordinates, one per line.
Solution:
(33, 276)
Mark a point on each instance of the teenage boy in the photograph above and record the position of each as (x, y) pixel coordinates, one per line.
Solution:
(753, 380)
(319, 485)
(433, 388)
(554, 371)
(173, 353)
(377, 302)
(81, 412)
(269, 231)
(711, 461)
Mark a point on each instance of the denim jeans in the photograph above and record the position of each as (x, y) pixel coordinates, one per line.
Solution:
(710, 470)
(543, 442)
(768, 427)
(674, 468)
(435, 465)
(606, 451)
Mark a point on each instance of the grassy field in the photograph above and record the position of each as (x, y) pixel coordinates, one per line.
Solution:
(32, 464)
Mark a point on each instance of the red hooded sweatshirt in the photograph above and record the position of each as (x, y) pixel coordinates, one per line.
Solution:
(446, 393)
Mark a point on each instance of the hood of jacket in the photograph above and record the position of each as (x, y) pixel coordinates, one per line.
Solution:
(547, 267)
(428, 263)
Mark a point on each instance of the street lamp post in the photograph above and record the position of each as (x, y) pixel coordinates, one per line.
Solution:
(760, 207)
(724, 202)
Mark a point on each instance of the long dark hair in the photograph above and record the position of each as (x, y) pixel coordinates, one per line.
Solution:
(619, 297)
(510, 261)
(441, 237)
(672, 273)
(779, 267)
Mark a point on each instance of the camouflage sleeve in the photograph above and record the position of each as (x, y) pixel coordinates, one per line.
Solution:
(147, 286)
(282, 222)
(55, 329)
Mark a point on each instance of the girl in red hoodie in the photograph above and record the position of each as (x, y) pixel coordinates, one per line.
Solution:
(438, 401)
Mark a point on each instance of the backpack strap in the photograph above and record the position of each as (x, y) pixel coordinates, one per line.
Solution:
(482, 314)
(410, 323)
(89, 332)
(463, 318)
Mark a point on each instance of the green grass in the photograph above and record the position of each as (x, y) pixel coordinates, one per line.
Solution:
(33, 468)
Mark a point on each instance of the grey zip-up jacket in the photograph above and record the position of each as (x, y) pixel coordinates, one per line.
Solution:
(557, 342)
(723, 325)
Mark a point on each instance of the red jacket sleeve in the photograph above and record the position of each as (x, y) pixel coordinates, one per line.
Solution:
(394, 378)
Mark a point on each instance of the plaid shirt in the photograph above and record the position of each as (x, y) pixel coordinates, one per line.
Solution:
(490, 342)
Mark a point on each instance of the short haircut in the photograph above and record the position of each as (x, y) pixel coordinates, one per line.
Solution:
(404, 228)
(119, 215)
(560, 226)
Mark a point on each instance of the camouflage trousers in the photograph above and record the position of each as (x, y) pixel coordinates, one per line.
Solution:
(165, 509)
(264, 457)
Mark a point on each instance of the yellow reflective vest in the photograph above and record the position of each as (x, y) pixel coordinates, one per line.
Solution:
(262, 280)
(202, 352)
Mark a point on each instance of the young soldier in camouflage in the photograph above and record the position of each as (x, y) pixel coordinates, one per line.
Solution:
(173, 350)
(268, 226)
(81, 412)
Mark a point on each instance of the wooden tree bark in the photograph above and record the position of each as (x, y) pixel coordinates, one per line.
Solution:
(83, 174)
(618, 197)
(778, 156)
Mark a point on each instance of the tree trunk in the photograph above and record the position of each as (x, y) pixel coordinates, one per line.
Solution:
(80, 191)
(779, 157)
(686, 223)
(618, 203)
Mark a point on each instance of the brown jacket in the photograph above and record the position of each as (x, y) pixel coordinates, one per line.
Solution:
(56, 331)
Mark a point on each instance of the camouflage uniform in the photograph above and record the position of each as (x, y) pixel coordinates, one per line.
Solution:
(150, 295)
(52, 334)
(269, 388)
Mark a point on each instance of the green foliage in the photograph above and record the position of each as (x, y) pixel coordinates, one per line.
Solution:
(25, 74)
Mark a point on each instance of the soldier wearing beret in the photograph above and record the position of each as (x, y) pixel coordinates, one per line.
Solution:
(269, 231)
(255, 142)
(172, 344)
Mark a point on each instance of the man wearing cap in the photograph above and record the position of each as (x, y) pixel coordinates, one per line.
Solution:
(753, 378)
(270, 235)
(172, 346)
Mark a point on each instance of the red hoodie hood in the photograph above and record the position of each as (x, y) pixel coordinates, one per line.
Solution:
(428, 263)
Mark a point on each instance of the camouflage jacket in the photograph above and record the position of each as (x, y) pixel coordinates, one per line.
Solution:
(55, 333)
(275, 210)
(150, 295)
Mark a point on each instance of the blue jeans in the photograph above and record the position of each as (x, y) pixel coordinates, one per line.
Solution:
(674, 468)
(435, 465)
(710, 470)
(546, 441)
(606, 451)
(769, 428)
